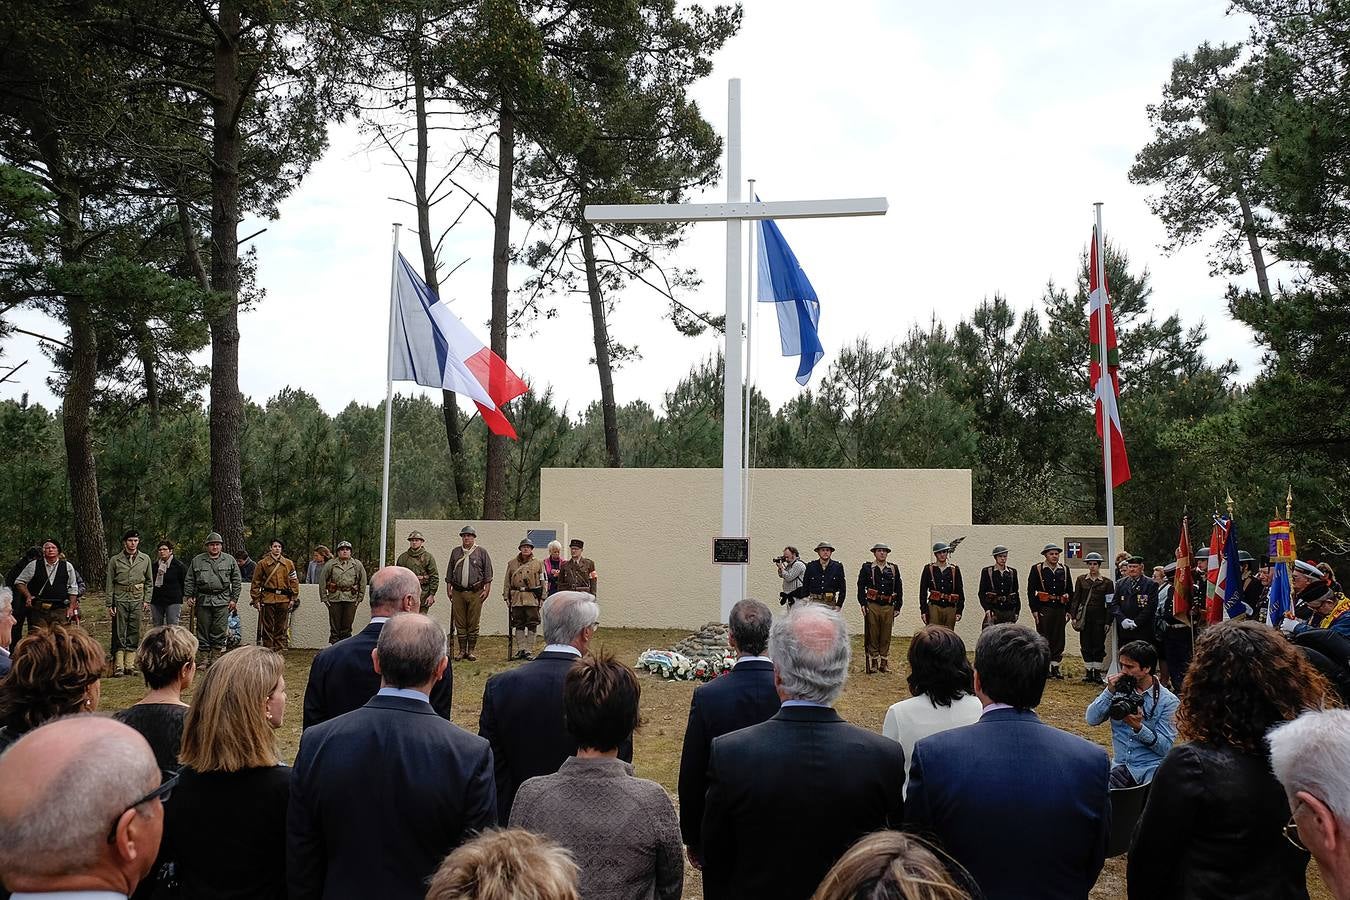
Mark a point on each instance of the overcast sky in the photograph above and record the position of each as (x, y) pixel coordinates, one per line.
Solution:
(991, 127)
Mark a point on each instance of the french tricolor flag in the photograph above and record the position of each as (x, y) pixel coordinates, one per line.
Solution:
(431, 346)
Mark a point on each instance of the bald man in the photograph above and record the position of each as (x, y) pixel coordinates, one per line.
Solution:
(90, 817)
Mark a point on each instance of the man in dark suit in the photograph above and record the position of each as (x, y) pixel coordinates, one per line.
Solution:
(805, 773)
(380, 795)
(745, 696)
(342, 677)
(522, 713)
(1023, 806)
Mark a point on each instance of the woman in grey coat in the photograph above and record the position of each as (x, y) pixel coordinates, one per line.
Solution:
(622, 830)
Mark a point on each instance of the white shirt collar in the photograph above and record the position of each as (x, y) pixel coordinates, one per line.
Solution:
(562, 648)
(378, 620)
(742, 659)
(993, 706)
(406, 693)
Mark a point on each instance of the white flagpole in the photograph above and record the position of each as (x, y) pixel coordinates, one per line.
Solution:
(1105, 375)
(750, 310)
(388, 403)
(732, 518)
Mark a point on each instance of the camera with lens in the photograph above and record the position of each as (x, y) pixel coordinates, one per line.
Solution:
(1126, 698)
(779, 560)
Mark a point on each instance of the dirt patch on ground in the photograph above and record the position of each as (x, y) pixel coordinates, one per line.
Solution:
(665, 709)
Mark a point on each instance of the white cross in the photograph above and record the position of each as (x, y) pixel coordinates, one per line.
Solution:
(734, 212)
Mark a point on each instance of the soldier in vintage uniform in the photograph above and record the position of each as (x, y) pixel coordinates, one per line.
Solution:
(1135, 604)
(421, 563)
(578, 572)
(212, 591)
(1049, 590)
(128, 587)
(342, 585)
(275, 594)
(50, 588)
(1253, 591)
(523, 590)
(1088, 609)
(469, 578)
(825, 581)
(942, 596)
(1000, 590)
(881, 594)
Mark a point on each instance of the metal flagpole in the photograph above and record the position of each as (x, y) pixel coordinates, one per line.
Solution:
(1105, 374)
(388, 403)
(731, 364)
(749, 384)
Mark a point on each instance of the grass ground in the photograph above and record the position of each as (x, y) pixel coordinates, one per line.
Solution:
(665, 708)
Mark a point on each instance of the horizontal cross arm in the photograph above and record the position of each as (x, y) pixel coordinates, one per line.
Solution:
(721, 212)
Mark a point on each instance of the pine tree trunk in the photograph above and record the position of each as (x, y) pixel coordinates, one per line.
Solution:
(1253, 239)
(227, 404)
(449, 400)
(608, 407)
(147, 356)
(494, 482)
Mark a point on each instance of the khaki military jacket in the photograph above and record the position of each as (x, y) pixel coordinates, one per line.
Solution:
(214, 582)
(342, 582)
(577, 575)
(275, 581)
(129, 578)
(423, 565)
(524, 581)
(477, 571)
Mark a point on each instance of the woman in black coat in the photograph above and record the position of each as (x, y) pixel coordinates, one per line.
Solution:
(169, 573)
(1213, 826)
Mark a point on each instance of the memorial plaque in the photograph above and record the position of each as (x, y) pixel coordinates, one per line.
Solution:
(1075, 548)
(731, 551)
(541, 537)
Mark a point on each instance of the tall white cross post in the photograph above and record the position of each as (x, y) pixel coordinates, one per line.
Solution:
(734, 212)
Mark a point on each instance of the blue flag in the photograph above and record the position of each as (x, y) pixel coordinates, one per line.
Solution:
(1281, 592)
(783, 283)
(1233, 604)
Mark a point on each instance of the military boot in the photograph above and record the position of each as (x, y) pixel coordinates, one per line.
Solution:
(119, 661)
(468, 653)
(870, 666)
(883, 664)
(463, 649)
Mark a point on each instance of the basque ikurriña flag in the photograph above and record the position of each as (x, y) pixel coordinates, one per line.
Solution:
(1105, 385)
(433, 347)
(783, 283)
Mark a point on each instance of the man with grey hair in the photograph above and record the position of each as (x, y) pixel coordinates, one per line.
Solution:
(393, 769)
(804, 765)
(1311, 758)
(522, 713)
(89, 820)
(7, 623)
(745, 696)
(342, 678)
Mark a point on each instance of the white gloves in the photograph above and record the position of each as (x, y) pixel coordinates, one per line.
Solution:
(1288, 625)
(1127, 624)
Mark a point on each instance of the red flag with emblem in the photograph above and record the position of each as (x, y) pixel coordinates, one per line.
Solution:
(1105, 385)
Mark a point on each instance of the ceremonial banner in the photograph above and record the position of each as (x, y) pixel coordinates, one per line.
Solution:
(1181, 597)
(1282, 554)
(1233, 604)
(1216, 572)
(1105, 384)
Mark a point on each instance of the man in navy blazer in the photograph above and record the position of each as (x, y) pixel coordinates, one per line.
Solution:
(743, 697)
(787, 797)
(342, 677)
(522, 713)
(1023, 806)
(381, 795)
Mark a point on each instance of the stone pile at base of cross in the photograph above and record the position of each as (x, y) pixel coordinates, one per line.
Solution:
(701, 656)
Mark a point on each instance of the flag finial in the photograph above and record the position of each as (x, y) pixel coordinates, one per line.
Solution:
(1289, 504)
(1228, 500)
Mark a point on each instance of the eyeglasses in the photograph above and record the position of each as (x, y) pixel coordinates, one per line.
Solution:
(1291, 831)
(160, 793)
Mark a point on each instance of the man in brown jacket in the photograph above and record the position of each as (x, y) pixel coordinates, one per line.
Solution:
(578, 573)
(468, 576)
(524, 591)
(275, 593)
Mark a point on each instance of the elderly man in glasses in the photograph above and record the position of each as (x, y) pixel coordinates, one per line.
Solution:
(1311, 758)
(93, 802)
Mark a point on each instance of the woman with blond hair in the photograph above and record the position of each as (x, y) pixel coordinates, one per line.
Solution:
(54, 672)
(892, 865)
(232, 783)
(165, 659)
(506, 864)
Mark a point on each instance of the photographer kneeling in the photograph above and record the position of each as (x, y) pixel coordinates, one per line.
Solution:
(1142, 714)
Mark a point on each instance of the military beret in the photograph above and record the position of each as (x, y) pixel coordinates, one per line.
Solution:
(577, 542)
(1093, 557)
(1048, 548)
(999, 550)
(1315, 593)
(1134, 559)
(876, 547)
(347, 544)
(467, 530)
(415, 536)
(824, 545)
(942, 547)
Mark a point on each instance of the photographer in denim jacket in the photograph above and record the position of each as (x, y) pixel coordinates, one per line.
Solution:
(1142, 714)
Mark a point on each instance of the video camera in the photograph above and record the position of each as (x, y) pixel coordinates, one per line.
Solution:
(1126, 698)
